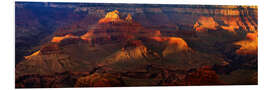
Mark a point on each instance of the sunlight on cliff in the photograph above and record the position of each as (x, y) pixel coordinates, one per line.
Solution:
(58, 39)
(111, 17)
(250, 46)
(204, 23)
(88, 35)
(133, 50)
(173, 44)
(128, 18)
(34, 54)
(231, 24)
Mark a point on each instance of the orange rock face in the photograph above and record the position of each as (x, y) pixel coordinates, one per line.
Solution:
(231, 24)
(34, 54)
(88, 35)
(252, 36)
(111, 17)
(250, 46)
(173, 44)
(172, 41)
(58, 39)
(129, 18)
(204, 23)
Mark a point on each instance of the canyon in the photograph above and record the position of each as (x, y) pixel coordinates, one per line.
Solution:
(108, 45)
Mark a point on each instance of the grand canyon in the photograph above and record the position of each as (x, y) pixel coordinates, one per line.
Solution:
(120, 45)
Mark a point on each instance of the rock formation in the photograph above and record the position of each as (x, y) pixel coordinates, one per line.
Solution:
(129, 18)
(154, 46)
(205, 23)
(58, 39)
(249, 46)
(111, 17)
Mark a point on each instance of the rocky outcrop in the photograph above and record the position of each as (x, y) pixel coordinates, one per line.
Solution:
(249, 46)
(88, 36)
(112, 28)
(58, 39)
(129, 18)
(112, 17)
(45, 50)
(172, 44)
(205, 23)
(175, 45)
(240, 21)
(32, 55)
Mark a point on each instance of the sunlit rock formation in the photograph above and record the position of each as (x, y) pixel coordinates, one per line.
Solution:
(111, 17)
(249, 46)
(231, 24)
(58, 39)
(32, 55)
(47, 60)
(88, 35)
(112, 28)
(46, 49)
(205, 23)
(229, 18)
(132, 51)
(129, 18)
(173, 44)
